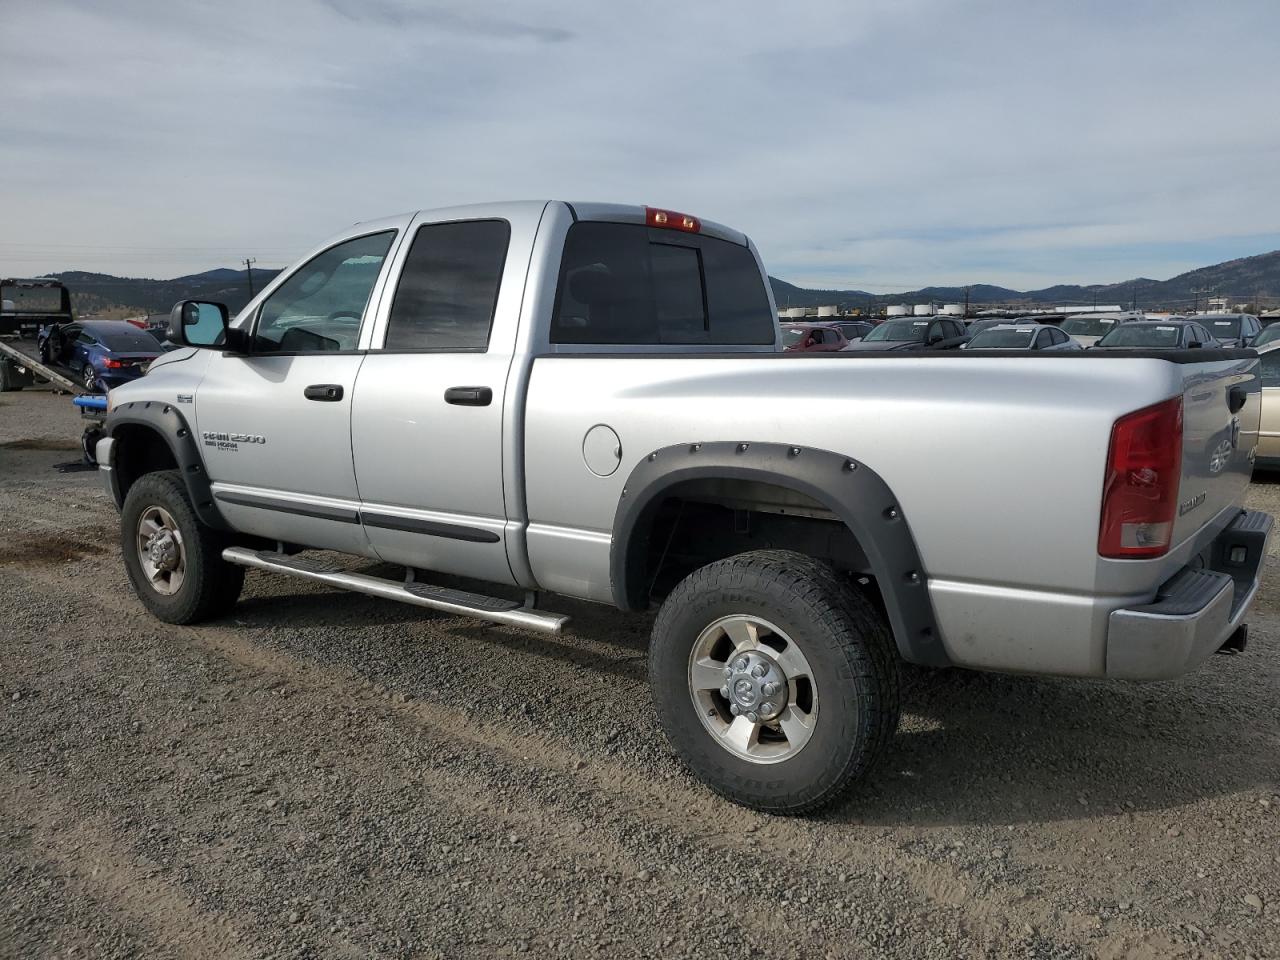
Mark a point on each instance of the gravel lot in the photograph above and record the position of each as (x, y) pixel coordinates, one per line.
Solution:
(326, 775)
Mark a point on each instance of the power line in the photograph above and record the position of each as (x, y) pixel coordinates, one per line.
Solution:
(248, 272)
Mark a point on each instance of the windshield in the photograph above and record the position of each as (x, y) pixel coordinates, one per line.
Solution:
(136, 341)
(1089, 326)
(1268, 335)
(1227, 329)
(1001, 340)
(793, 335)
(899, 331)
(1141, 335)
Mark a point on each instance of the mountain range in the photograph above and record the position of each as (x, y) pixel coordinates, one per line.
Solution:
(1245, 280)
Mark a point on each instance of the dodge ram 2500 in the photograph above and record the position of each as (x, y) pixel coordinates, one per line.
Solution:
(592, 400)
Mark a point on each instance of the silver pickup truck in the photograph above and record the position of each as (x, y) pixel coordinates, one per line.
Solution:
(591, 400)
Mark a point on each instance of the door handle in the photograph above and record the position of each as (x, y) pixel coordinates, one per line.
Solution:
(1236, 397)
(327, 392)
(469, 396)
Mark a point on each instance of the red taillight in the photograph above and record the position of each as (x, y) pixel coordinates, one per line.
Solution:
(670, 220)
(1140, 488)
(112, 364)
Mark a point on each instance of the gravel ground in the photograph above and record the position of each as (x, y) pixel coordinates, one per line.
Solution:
(326, 775)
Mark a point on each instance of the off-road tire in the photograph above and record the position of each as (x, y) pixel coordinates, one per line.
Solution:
(847, 643)
(211, 586)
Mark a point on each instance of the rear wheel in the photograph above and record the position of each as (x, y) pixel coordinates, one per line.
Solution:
(776, 681)
(174, 561)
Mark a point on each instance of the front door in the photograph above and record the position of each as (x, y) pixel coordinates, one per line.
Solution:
(275, 425)
(427, 418)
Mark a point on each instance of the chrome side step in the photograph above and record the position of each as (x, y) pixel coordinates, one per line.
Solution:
(444, 599)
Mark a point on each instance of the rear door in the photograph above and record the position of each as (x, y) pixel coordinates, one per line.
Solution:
(427, 419)
(1269, 428)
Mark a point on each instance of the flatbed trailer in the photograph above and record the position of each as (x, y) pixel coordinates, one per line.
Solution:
(19, 369)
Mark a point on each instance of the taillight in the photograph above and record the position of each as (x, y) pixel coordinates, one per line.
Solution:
(670, 220)
(112, 364)
(1140, 488)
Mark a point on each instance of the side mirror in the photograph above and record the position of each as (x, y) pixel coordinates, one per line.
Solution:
(201, 323)
(935, 338)
(1194, 345)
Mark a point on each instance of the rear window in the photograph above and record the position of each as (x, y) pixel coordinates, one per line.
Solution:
(1226, 329)
(138, 341)
(899, 331)
(1002, 340)
(19, 299)
(1089, 326)
(1141, 335)
(626, 283)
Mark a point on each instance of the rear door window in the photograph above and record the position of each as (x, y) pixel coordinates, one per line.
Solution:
(627, 283)
(448, 288)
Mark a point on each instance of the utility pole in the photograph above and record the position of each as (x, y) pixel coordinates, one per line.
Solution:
(966, 303)
(248, 272)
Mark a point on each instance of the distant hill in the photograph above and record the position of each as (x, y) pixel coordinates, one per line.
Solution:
(1239, 280)
(101, 293)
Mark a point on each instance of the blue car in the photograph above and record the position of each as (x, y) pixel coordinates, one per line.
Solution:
(103, 353)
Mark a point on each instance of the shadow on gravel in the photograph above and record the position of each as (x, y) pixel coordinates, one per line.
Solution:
(989, 749)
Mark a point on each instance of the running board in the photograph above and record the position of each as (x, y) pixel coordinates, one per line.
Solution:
(458, 602)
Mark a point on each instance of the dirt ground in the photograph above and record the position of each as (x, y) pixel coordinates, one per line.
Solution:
(327, 775)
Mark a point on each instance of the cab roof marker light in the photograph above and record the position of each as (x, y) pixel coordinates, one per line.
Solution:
(671, 220)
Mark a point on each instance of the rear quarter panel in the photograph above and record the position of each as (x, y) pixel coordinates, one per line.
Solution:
(996, 462)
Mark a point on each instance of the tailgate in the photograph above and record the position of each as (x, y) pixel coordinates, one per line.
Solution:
(1221, 406)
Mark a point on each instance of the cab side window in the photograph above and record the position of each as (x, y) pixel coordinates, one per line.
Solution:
(1044, 339)
(320, 307)
(448, 289)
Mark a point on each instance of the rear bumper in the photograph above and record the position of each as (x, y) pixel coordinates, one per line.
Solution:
(1194, 611)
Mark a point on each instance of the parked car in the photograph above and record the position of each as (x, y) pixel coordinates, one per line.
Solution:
(103, 353)
(665, 453)
(1022, 337)
(1268, 457)
(1232, 329)
(853, 329)
(1157, 335)
(1270, 334)
(812, 338)
(1088, 328)
(913, 333)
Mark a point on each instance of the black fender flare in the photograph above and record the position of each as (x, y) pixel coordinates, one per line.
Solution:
(851, 490)
(168, 422)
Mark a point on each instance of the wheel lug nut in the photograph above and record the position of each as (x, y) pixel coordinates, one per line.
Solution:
(724, 691)
(771, 688)
(735, 709)
(728, 671)
(740, 666)
(759, 670)
(752, 716)
(766, 708)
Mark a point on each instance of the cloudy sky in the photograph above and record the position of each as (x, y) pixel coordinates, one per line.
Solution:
(877, 144)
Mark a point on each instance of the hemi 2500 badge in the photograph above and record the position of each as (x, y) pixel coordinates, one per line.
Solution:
(230, 441)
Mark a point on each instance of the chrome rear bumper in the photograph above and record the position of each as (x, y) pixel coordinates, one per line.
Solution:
(1195, 611)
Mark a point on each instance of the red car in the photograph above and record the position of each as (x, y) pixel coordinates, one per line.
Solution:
(812, 338)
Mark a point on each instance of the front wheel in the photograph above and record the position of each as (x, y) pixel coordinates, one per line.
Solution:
(174, 561)
(776, 682)
(90, 377)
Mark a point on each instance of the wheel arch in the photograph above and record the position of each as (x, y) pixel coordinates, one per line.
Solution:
(853, 493)
(151, 435)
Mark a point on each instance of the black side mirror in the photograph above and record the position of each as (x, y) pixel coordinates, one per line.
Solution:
(1194, 345)
(201, 323)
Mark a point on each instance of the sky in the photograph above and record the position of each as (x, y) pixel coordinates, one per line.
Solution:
(881, 145)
